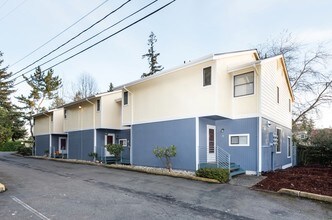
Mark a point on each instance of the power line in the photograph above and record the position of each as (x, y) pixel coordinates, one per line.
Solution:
(73, 37)
(59, 33)
(70, 49)
(104, 39)
(14, 9)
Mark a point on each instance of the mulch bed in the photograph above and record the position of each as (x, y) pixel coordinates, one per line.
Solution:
(313, 179)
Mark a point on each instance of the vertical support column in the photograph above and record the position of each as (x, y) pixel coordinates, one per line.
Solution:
(197, 141)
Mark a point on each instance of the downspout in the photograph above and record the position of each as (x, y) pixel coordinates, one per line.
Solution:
(131, 124)
(94, 127)
(259, 136)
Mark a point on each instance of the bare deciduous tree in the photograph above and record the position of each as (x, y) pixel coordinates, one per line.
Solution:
(310, 79)
(86, 86)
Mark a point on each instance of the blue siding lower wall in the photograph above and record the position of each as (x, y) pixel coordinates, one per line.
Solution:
(80, 144)
(181, 133)
(270, 159)
(245, 156)
(42, 143)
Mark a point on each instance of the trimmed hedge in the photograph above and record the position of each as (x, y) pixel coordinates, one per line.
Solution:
(24, 151)
(313, 155)
(222, 175)
(10, 146)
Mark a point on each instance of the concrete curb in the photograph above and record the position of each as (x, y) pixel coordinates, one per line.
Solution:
(2, 188)
(307, 195)
(131, 168)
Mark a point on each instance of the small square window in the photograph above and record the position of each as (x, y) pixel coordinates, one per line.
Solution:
(207, 76)
(98, 105)
(125, 98)
(123, 142)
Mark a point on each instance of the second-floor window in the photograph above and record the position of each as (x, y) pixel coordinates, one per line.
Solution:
(65, 113)
(125, 98)
(98, 105)
(244, 84)
(207, 76)
(277, 94)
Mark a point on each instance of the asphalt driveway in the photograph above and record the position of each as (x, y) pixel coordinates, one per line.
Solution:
(40, 189)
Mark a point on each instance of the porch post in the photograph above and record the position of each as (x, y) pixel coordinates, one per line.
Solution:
(197, 141)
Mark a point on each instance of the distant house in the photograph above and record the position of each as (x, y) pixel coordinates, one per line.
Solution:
(230, 104)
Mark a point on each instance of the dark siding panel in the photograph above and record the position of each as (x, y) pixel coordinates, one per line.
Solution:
(80, 144)
(42, 143)
(181, 133)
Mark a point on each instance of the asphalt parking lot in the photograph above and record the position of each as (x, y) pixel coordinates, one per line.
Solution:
(41, 189)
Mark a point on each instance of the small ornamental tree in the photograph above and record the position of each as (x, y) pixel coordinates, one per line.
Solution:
(115, 149)
(165, 154)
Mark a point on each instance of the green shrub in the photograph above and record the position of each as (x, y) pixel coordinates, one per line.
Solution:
(93, 155)
(165, 155)
(220, 174)
(115, 149)
(24, 151)
(10, 146)
(313, 155)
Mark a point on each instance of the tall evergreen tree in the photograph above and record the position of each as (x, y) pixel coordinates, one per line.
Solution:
(152, 56)
(43, 87)
(6, 86)
(110, 88)
(11, 122)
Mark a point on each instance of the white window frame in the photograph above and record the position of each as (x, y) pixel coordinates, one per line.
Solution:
(125, 142)
(98, 106)
(110, 134)
(239, 135)
(206, 85)
(289, 147)
(253, 83)
(279, 141)
(125, 92)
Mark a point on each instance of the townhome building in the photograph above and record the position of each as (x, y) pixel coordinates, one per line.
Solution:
(87, 126)
(226, 108)
(231, 106)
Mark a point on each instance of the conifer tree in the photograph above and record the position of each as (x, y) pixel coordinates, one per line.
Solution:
(43, 87)
(12, 123)
(152, 56)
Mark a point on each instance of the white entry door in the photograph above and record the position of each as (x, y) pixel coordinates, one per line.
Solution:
(211, 143)
(62, 145)
(109, 139)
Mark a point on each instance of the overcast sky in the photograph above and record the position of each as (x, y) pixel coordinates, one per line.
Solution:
(186, 30)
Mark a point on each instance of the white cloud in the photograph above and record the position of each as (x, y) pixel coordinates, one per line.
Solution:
(315, 35)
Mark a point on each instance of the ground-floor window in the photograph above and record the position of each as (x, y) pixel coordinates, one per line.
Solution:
(289, 147)
(239, 139)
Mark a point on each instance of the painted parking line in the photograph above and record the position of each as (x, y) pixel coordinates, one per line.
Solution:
(32, 210)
